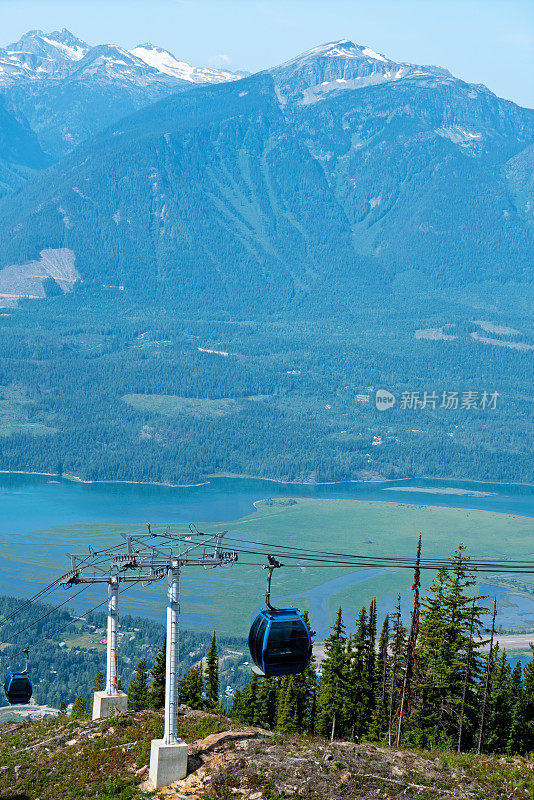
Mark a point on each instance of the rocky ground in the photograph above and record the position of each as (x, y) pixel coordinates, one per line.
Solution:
(63, 759)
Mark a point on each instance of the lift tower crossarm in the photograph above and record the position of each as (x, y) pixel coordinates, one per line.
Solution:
(75, 576)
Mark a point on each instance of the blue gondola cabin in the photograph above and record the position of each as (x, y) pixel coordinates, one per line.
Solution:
(18, 688)
(279, 642)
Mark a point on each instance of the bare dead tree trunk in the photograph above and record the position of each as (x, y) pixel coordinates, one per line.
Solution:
(466, 676)
(333, 727)
(487, 681)
(411, 644)
(396, 648)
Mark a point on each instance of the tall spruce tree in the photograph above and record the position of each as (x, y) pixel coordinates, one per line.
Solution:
(297, 697)
(450, 668)
(517, 739)
(500, 704)
(528, 703)
(332, 696)
(266, 704)
(192, 687)
(410, 654)
(359, 681)
(379, 718)
(245, 702)
(397, 646)
(99, 683)
(157, 689)
(138, 691)
(79, 709)
(370, 645)
(288, 711)
(212, 676)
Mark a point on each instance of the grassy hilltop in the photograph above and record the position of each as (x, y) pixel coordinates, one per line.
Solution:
(62, 759)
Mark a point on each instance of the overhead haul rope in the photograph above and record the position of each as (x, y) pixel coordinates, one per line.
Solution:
(521, 568)
(355, 559)
(52, 610)
(19, 609)
(406, 559)
(313, 557)
(73, 619)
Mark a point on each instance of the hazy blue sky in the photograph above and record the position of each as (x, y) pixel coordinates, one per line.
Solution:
(482, 41)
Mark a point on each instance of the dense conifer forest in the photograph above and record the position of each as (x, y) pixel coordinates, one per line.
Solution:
(134, 393)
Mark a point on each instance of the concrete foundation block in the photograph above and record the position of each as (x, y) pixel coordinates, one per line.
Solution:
(168, 762)
(104, 705)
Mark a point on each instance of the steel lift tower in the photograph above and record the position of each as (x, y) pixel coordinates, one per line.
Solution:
(159, 554)
(112, 700)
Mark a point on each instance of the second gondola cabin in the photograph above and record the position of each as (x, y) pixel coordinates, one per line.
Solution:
(18, 688)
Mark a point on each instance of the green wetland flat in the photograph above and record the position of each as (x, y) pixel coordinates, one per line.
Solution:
(44, 518)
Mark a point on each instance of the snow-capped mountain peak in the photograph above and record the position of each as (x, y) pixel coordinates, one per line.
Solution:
(57, 44)
(335, 66)
(165, 62)
(342, 49)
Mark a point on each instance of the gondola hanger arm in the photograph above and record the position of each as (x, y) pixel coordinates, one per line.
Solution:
(271, 566)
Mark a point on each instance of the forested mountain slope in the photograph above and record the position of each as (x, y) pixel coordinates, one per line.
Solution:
(20, 153)
(235, 195)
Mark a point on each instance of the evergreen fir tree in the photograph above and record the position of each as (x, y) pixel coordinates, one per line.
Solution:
(244, 706)
(287, 718)
(297, 697)
(138, 691)
(212, 676)
(370, 651)
(464, 637)
(332, 696)
(501, 702)
(79, 710)
(397, 646)
(157, 688)
(62, 709)
(192, 686)
(379, 718)
(450, 636)
(266, 703)
(522, 727)
(359, 689)
(528, 703)
(517, 738)
(99, 684)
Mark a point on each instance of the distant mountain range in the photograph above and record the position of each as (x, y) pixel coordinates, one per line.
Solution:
(336, 169)
(68, 90)
(218, 266)
(60, 54)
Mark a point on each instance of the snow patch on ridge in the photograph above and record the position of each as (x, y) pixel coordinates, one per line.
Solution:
(74, 53)
(167, 64)
(460, 136)
(371, 53)
(315, 93)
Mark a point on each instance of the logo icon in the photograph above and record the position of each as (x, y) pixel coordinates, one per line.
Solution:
(384, 399)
